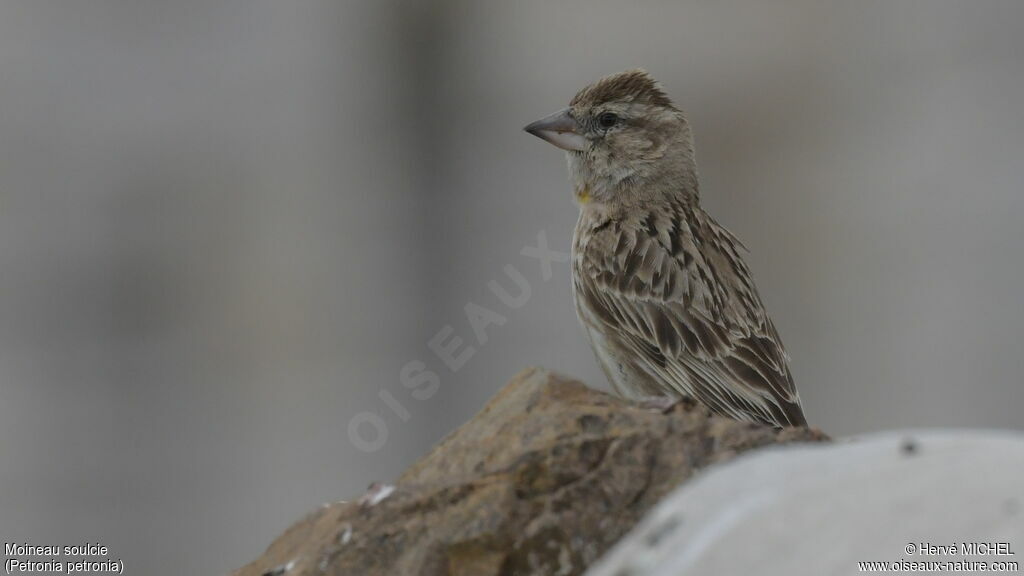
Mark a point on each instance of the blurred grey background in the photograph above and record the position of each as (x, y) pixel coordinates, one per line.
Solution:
(226, 226)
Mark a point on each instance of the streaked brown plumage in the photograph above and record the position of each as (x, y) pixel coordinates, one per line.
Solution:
(661, 289)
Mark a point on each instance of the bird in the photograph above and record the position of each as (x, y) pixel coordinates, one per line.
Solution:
(661, 288)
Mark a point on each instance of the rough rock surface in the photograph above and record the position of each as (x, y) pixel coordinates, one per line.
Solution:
(824, 509)
(542, 481)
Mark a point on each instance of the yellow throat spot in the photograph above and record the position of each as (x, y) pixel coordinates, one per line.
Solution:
(583, 194)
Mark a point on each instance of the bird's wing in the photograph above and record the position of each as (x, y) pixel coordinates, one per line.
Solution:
(671, 287)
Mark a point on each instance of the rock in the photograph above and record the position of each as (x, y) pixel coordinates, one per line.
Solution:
(542, 481)
(824, 509)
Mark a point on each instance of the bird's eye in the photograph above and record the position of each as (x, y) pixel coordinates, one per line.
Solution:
(607, 119)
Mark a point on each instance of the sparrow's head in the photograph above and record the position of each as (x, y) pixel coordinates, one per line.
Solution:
(623, 136)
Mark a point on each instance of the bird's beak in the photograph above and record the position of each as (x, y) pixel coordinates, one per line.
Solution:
(560, 129)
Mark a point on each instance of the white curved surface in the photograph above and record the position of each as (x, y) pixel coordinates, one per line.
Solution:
(821, 509)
